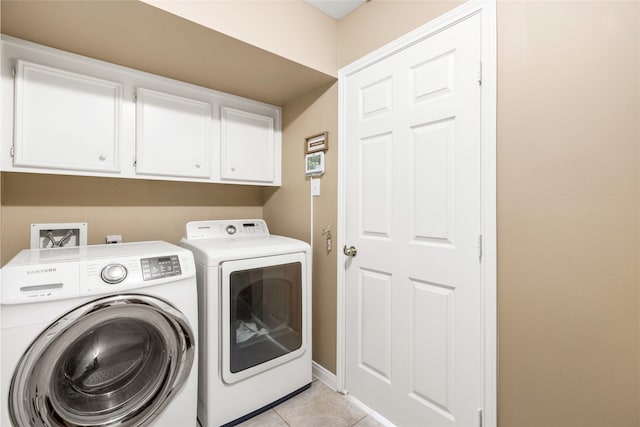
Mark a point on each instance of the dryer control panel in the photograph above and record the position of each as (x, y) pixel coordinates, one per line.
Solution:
(225, 229)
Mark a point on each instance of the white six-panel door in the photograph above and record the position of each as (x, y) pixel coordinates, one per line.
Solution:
(413, 211)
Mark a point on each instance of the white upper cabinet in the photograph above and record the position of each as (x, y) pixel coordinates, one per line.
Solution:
(78, 116)
(248, 144)
(174, 135)
(65, 120)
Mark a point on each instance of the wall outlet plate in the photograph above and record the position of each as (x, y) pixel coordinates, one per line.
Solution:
(54, 235)
(113, 239)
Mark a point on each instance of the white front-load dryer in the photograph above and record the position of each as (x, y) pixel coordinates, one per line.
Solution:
(99, 336)
(254, 292)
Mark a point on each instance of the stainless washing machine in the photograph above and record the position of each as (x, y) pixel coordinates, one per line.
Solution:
(99, 335)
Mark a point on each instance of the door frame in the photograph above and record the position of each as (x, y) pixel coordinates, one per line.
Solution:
(487, 10)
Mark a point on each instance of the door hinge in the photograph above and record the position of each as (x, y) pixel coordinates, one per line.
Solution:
(135, 97)
(480, 73)
(12, 151)
(480, 247)
(480, 420)
(13, 71)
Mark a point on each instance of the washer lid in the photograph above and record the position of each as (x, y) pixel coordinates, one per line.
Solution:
(51, 255)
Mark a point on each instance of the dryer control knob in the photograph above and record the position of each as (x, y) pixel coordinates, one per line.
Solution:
(114, 273)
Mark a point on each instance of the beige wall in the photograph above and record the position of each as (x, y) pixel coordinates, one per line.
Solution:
(137, 209)
(379, 22)
(288, 211)
(292, 29)
(568, 110)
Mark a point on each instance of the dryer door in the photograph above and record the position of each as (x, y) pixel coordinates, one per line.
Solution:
(114, 361)
(264, 314)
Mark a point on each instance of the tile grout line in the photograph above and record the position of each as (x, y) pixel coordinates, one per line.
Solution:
(280, 416)
(365, 416)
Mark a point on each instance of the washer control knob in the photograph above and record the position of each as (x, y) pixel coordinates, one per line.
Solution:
(231, 229)
(113, 273)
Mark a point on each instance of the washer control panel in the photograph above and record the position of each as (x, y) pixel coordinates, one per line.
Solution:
(160, 267)
(62, 273)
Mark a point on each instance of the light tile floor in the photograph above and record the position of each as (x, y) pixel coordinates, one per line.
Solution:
(319, 406)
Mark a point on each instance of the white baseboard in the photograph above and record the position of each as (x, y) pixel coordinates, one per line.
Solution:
(324, 375)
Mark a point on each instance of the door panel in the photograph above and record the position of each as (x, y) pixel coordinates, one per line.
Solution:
(432, 181)
(375, 156)
(431, 352)
(375, 316)
(433, 78)
(376, 98)
(413, 337)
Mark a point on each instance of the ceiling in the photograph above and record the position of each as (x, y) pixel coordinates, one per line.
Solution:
(337, 9)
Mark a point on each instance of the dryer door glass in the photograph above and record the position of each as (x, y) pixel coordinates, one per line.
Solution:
(265, 314)
(114, 361)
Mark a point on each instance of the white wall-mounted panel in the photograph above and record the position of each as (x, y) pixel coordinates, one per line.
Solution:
(65, 120)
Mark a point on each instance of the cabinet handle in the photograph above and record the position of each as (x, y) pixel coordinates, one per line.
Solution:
(198, 165)
(102, 157)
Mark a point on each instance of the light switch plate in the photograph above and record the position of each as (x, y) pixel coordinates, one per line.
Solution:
(315, 187)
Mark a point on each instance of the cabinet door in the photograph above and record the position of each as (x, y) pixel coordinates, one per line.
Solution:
(173, 135)
(65, 120)
(247, 146)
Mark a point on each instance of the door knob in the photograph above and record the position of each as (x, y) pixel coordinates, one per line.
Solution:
(350, 251)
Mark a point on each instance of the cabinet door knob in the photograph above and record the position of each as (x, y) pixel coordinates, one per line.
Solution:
(102, 157)
(197, 165)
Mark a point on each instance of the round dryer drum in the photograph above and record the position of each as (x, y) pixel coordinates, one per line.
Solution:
(113, 362)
